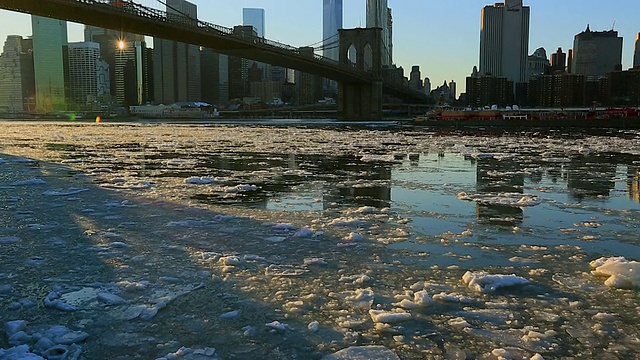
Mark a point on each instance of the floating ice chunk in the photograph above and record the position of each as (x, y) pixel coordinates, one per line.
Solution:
(12, 327)
(355, 279)
(604, 317)
(19, 353)
(283, 226)
(588, 224)
(482, 282)
(240, 188)
(360, 298)
(9, 240)
(537, 357)
(420, 299)
(200, 180)
(389, 317)
(53, 301)
(315, 261)
(353, 222)
(371, 352)
(64, 192)
(19, 338)
(620, 272)
(503, 199)
(366, 210)
(110, 299)
(284, 270)
(353, 237)
(278, 326)
(459, 322)
(313, 326)
(230, 260)
(190, 223)
(304, 232)
(230, 314)
(29, 182)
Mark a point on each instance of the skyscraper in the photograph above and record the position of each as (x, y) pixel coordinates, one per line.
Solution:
(331, 22)
(558, 61)
(83, 74)
(596, 53)
(176, 66)
(111, 42)
(17, 88)
(504, 40)
(636, 53)
(378, 17)
(130, 75)
(49, 41)
(255, 17)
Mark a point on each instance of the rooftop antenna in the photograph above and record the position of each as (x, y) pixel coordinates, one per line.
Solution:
(614, 25)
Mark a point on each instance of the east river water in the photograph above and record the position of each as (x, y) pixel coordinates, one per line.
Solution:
(299, 241)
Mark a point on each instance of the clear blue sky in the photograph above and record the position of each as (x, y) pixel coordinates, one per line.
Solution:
(442, 36)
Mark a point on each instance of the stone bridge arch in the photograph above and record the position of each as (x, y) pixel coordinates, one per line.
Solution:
(361, 101)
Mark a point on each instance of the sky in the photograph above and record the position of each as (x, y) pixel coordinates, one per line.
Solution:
(441, 36)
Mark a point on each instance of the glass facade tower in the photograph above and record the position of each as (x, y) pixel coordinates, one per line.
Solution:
(49, 41)
(331, 23)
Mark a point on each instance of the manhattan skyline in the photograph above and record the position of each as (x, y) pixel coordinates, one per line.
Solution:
(442, 37)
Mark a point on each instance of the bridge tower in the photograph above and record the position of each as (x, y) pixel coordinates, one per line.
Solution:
(361, 101)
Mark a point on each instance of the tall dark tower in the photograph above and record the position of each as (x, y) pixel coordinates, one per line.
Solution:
(558, 61)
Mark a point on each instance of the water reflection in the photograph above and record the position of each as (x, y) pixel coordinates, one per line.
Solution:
(494, 176)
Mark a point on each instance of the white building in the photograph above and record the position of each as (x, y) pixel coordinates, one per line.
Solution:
(83, 73)
(596, 53)
(504, 40)
(16, 75)
(378, 17)
(537, 63)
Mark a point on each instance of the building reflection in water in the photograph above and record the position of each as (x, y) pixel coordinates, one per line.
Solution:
(633, 183)
(344, 181)
(495, 176)
(591, 176)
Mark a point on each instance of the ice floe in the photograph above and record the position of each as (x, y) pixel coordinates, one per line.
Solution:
(620, 272)
(483, 282)
(502, 199)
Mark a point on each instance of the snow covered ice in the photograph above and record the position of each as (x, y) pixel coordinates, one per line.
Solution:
(203, 241)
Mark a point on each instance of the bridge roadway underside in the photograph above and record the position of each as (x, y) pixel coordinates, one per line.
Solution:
(361, 98)
(110, 17)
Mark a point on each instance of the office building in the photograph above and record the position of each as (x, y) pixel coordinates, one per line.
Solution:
(415, 79)
(453, 90)
(537, 63)
(636, 52)
(111, 42)
(176, 66)
(596, 53)
(488, 90)
(215, 77)
(256, 18)
(427, 86)
(239, 67)
(378, 17)
(558, 61)
(331, 22)
(132, 66)
(504, 40)
(51, 76)
(17, 86)
(83, 74)
(558, 90)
